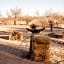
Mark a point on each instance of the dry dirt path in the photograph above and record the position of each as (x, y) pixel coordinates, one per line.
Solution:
(11, 53)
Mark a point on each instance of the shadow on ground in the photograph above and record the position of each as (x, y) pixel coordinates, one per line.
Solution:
(15, 51)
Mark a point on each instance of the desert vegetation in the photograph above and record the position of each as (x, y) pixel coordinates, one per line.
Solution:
(50, 47)
(16, 15)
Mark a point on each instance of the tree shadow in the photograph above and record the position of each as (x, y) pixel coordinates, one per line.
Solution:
(19, 52)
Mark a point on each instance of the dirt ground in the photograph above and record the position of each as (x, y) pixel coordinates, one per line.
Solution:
(17, 53)
(13, 55)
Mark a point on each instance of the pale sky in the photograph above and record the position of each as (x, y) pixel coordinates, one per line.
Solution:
(30, 6)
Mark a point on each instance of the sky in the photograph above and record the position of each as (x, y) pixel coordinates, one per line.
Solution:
(31, 6)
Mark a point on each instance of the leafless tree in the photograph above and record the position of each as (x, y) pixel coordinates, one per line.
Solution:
(15, 13)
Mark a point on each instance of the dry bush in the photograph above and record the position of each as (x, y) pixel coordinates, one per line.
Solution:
(17, 36)
(40, 49)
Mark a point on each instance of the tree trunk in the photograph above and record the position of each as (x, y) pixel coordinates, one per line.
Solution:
(14, 22)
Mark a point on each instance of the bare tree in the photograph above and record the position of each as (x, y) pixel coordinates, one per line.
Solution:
(51, 25)
(15, 13)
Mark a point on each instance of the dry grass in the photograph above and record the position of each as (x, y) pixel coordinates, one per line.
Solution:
(18, 36)
(40, 49)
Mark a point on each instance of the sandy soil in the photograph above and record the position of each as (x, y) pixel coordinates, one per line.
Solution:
(14, 55)
(16, 52)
